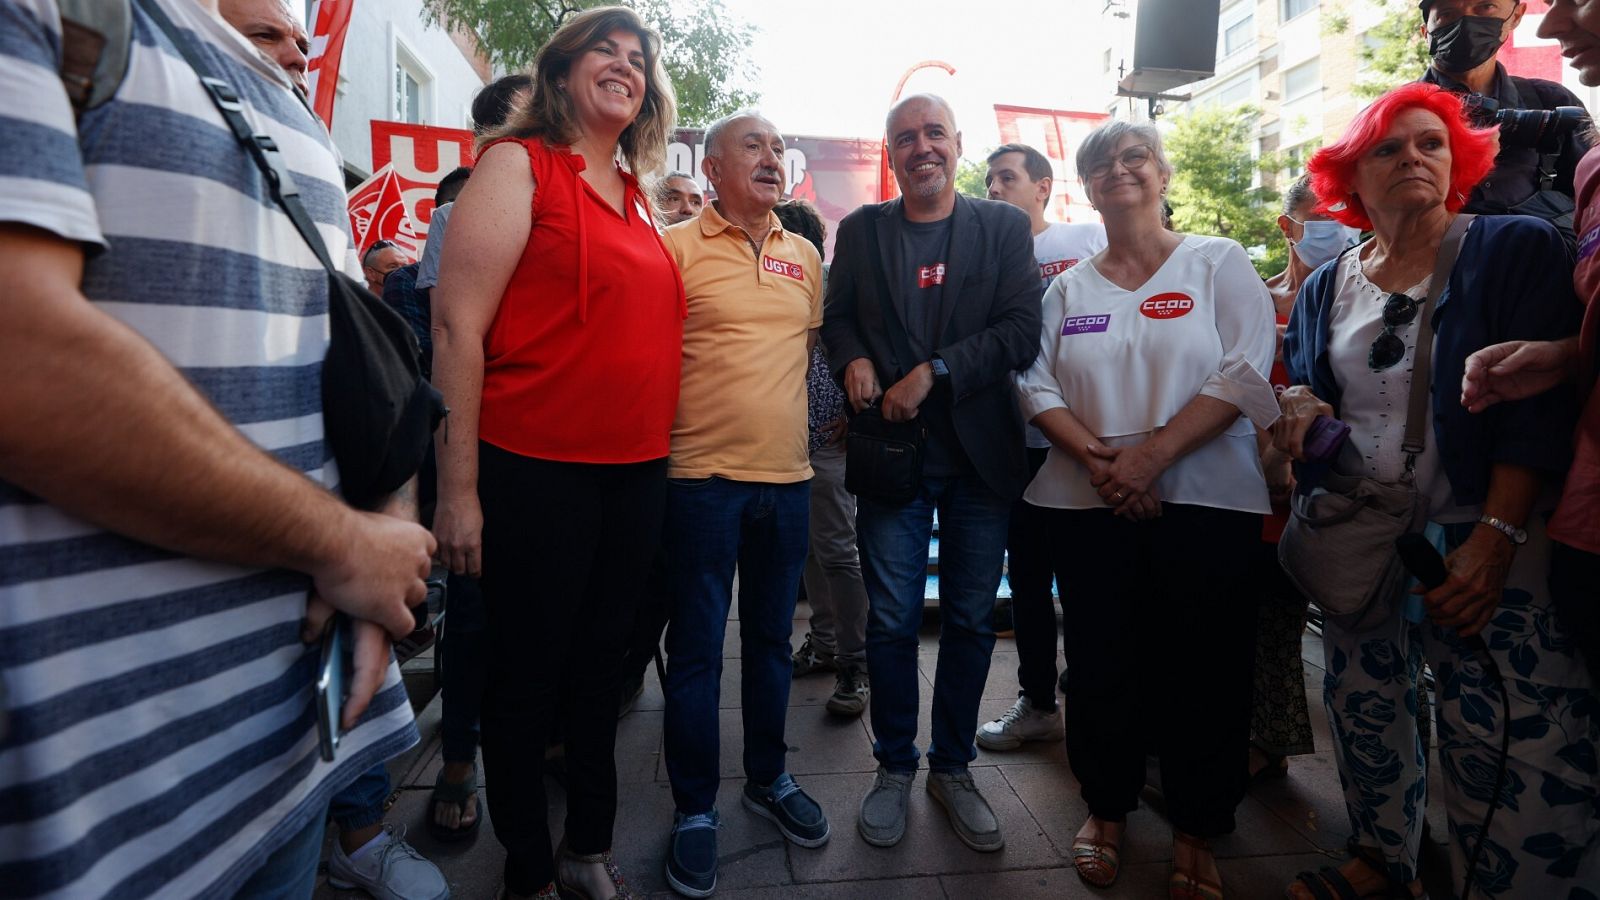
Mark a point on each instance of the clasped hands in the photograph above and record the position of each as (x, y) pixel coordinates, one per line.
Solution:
(901, 402)
(1125, 478)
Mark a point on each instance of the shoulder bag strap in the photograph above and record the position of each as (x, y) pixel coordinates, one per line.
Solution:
(891, 320)
(262, 148)
(1422, 361)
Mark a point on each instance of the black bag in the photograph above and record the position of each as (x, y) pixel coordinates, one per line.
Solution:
(883, 459)
(378, 412)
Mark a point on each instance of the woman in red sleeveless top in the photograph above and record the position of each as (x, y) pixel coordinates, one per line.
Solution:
(558, 329)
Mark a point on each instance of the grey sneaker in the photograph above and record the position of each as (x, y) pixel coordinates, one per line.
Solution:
(851, 692)
(969, 813)
(394, 871)
(812, 658)
(883, 809)
(1020, 724)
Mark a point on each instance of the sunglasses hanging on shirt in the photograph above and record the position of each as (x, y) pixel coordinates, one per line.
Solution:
(1388, 348)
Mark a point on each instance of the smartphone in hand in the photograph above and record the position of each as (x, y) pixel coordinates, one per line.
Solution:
(333, 680)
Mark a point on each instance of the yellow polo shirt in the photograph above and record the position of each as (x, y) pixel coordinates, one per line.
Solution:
(742, 401)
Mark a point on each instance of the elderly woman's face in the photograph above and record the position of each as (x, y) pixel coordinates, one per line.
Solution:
(1408, 168)
(1129, 176)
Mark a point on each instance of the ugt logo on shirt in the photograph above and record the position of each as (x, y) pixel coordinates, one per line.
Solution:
(1052, 269)
(1167, 306)
(780, 267)
(929, 276)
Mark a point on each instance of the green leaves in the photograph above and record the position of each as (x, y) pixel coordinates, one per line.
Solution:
(1215, 189)
(705, 50)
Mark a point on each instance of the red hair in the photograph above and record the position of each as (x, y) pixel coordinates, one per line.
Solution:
(1333, 168)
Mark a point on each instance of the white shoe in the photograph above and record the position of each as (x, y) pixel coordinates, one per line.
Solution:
(395, 871)
(1020, 724)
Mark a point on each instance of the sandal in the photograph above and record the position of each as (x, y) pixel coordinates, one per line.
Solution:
(457, 794)
(1186, 885)
(1097, 862)
(573, 892)
(1331, 884)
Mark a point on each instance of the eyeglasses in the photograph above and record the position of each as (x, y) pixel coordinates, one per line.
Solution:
(1388, 348)
(380, 245)
(1132, 158)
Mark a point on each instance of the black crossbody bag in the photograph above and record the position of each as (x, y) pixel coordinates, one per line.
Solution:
(883, 459)
(378, 412)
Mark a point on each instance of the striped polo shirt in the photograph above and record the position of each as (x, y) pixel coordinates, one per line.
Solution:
(159, 736)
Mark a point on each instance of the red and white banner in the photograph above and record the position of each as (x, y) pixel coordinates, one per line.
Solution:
(378, 213)
(1056, 133)
(330, 22)
(420, 157)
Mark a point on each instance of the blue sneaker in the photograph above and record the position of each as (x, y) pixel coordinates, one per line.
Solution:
(796, 815)
(692, 854)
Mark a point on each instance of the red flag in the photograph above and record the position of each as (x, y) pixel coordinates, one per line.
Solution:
(378, 213)
(330, 22)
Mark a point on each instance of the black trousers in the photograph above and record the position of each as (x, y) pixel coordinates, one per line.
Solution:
(1575, 591)
(1033, 609)
(1160, 644)
(566, 549)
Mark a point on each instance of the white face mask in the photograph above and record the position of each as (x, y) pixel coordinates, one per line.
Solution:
(1322, 240)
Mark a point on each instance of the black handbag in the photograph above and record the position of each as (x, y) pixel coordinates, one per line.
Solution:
(379, 413)
(883, 459)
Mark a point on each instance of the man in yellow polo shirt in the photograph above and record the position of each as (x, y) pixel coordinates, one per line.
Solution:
(738, 492)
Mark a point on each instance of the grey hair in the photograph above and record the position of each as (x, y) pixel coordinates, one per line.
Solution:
(1103, 141)
(1298, 195)
(715, 129)
(935, 99)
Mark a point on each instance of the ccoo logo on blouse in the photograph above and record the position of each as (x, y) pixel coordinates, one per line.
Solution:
(1166, 306)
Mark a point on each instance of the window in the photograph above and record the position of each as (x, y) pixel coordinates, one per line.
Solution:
(407, 96)
(1238, 35)
(1301, 81)
(1292, 8)
(1240, 90)
(1105, 61)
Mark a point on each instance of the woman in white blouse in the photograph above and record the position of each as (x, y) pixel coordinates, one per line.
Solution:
(1153, 359)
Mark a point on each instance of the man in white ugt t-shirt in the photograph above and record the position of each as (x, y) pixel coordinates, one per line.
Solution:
(1020, 175)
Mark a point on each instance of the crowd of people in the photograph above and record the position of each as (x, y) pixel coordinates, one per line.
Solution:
(651, 397)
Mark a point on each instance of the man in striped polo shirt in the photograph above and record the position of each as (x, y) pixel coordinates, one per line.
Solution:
(166, 515)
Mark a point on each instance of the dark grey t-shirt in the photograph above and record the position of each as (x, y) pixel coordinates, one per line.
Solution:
(924, 248)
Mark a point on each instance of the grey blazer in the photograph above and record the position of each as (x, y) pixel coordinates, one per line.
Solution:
(989, 331)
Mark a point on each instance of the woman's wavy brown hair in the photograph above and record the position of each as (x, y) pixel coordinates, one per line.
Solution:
(548, 114)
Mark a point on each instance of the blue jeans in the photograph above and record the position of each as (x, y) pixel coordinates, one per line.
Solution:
(361, 804)
(713, 525)
(894, 562)
(466, 667)
(290, 873)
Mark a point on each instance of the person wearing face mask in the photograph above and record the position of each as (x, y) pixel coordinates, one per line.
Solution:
(1280, 721)
(1530, 176)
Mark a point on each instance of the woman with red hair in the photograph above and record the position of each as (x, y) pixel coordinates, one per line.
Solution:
(1404, 169)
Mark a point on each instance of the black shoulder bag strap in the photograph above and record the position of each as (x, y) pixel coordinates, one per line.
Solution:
(262, 148)
(1415, 440)
(891, 320)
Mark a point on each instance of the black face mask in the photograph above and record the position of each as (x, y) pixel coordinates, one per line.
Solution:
(1466, 43)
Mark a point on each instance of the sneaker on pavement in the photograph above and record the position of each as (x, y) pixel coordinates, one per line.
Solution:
(969, 813)
(393, 871)
(811, 658)
(851, 691)
(797, 816)
(692, 854)
(1020, 724)
(883, 809)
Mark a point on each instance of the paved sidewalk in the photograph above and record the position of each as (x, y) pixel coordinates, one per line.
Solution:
(1284, 825)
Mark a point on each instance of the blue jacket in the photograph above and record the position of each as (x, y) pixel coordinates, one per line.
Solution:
(1513, 281)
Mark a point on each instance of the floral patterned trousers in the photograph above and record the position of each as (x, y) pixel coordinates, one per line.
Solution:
(1544, 841)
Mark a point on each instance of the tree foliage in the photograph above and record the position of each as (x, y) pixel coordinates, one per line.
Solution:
(1392, 51)
(1214, 186)
(969, 177)
(705, 51)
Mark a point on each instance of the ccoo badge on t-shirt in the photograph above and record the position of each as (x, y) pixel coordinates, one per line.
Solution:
(930, 276)
(1167, 306)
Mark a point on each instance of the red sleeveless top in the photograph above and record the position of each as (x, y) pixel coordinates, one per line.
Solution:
(582, 359)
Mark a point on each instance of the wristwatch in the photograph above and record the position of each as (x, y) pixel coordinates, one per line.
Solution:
(941, 372)
(1513, 534)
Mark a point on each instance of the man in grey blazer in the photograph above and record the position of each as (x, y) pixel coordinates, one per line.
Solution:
(960, 278)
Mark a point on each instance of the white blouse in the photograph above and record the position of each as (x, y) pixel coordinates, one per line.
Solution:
(1373, 402)
(1125, 362)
